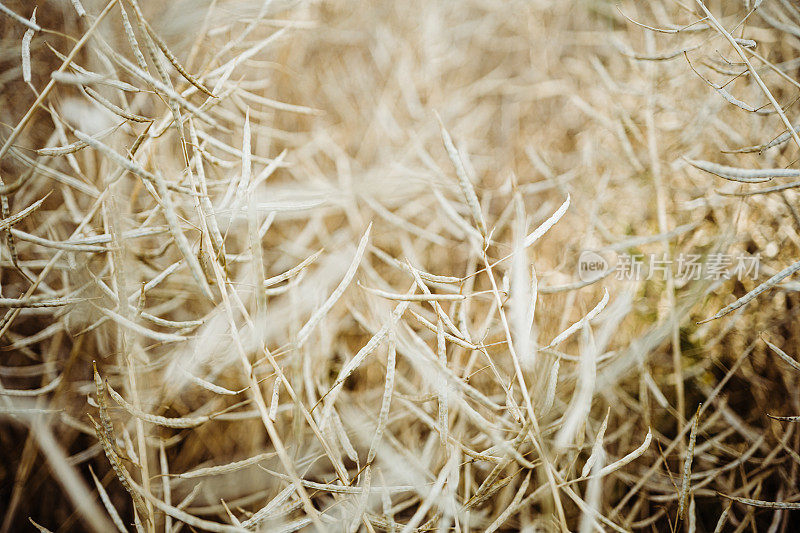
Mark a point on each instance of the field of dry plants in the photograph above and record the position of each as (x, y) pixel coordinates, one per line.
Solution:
(315, 266)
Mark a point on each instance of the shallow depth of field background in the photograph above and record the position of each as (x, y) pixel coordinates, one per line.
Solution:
(322, 154)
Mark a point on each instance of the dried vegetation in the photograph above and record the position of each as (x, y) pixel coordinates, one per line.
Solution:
(284, 266)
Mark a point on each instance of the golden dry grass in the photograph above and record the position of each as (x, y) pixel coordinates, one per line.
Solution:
(323, 256)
